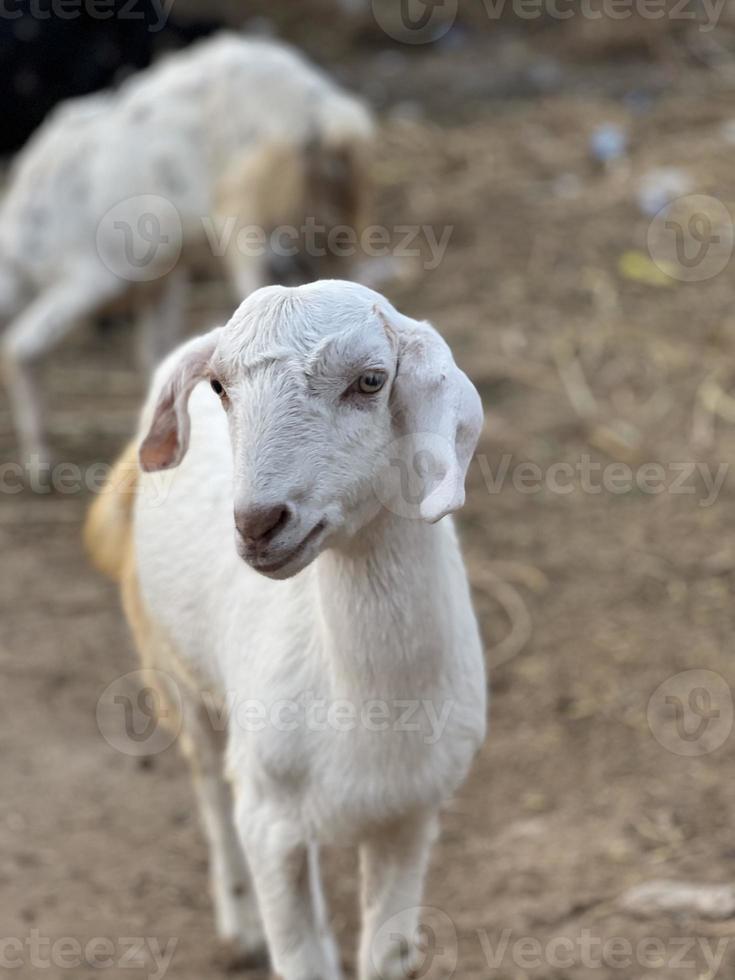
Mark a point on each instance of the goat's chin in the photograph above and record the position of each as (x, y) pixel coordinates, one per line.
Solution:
(289, 570)
(292, 563)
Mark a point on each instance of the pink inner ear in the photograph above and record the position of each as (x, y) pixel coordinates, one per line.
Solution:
(167, 440)
(159, 451)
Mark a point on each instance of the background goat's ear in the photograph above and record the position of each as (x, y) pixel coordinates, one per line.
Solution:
(167, 440)
(436, 404)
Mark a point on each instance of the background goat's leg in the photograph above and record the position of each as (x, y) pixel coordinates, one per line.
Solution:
(162, 319)
(11, 294)
(48, 318)
(286, 880)
(236, 908)
(245, 266)
(393, 863)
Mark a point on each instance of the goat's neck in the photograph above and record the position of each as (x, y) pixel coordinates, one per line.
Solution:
(381, 601)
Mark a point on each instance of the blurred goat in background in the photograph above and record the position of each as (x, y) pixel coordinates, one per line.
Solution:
(118, 191)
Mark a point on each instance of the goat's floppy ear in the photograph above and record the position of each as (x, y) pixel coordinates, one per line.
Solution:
(167, 440)
(437, 405)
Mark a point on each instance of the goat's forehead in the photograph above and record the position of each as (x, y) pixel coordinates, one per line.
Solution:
(288, 331)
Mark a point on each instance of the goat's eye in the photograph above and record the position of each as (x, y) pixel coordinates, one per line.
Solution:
(371, 382)
(217, 387)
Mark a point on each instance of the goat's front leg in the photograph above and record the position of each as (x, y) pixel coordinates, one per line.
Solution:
(238, 920)
(393, 861)
(286, 878)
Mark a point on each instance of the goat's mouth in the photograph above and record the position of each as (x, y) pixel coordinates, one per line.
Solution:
(269, 568)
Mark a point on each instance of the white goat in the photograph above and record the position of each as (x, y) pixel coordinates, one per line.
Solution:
(116, 191)
(337, 626)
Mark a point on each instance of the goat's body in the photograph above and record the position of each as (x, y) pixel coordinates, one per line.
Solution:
(352, 690)
(384, 619)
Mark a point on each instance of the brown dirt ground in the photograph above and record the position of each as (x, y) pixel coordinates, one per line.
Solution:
(572, 799)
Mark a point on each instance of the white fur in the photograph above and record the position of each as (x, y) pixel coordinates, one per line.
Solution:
(377, 609)
(196, 130)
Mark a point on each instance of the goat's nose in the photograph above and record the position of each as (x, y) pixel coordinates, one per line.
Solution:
(257, 525)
